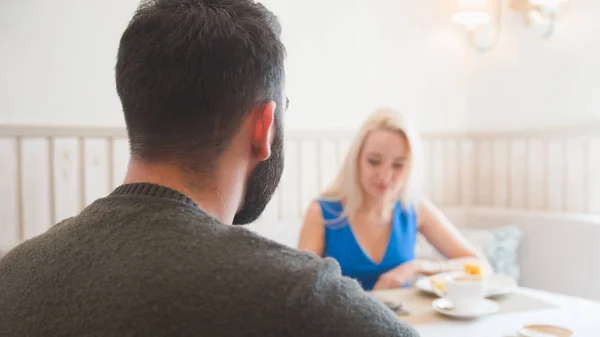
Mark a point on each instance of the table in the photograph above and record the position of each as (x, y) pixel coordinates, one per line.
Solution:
(579, 315)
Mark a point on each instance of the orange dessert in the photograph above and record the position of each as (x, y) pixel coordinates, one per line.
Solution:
(437, 283)
(473, 269)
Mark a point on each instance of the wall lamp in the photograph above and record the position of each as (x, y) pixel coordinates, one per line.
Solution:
(482, 18)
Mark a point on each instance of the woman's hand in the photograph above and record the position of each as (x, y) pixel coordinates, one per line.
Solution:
(408, 272)
(399, 276)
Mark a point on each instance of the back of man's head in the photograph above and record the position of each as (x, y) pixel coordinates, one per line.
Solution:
(189, 71)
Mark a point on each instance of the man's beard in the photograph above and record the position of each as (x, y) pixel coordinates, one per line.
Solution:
(263, 182)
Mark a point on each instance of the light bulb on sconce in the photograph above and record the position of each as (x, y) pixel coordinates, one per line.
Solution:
(540, 13)
(476, 17)
(482, 18)
(471, 19)
(471, 13)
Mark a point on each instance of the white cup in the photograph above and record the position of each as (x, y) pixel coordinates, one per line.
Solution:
(465, 292)
(544, 330)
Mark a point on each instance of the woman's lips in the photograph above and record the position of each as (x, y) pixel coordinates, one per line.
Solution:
(381, 187)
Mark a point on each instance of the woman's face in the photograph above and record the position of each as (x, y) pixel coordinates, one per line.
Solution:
(383, 164)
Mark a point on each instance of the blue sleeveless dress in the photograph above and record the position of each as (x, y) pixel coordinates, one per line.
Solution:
(341, 244)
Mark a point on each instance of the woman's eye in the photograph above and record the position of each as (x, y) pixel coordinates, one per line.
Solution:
(374, 162)
(398, 166)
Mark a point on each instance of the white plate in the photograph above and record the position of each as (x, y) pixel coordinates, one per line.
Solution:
(497, 284)
(487, 307)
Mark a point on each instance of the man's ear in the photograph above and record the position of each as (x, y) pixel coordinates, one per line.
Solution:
(263, 129)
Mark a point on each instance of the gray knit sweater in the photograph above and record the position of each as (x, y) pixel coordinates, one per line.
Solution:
(146, 261)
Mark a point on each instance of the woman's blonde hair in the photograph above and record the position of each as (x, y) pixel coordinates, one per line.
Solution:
(346, 185)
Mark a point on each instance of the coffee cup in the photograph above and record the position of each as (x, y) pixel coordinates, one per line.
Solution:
(544, 330)
(466, 292)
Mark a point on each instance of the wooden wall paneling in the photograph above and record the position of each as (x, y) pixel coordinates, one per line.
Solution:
(575, 174)
(120, 161)
(10, 221)
(593, 185)
(35, 198)
(426, 184)
(309, 175)
(97, 169)
(66, 177)
(437, 167)
(537, 172)
(451, 172)
(517, 174)
(555, 179)
(500, 173)
(290, 197)
(485, 172)
(468, 181)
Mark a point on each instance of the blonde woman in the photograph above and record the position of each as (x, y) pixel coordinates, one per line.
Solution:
(369, 217)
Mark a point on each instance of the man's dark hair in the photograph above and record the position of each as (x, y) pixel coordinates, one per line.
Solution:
(189, 71)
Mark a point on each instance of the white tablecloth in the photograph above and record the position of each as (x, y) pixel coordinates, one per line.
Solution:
(579, 315)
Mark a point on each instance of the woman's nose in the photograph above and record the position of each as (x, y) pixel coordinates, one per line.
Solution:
(385, 174)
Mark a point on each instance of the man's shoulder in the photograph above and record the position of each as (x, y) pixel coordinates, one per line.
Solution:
(269, 256)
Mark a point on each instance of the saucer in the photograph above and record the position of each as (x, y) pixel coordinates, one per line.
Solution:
(486, 307)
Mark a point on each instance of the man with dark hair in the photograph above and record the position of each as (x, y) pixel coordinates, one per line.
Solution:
(202, 88)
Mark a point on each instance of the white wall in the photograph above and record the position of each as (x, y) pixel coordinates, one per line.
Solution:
(345, 59)
(527, 82)
(57, 61)
(348, 57)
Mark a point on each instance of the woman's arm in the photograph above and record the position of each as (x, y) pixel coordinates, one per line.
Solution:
(442, 234)
(312, 234)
